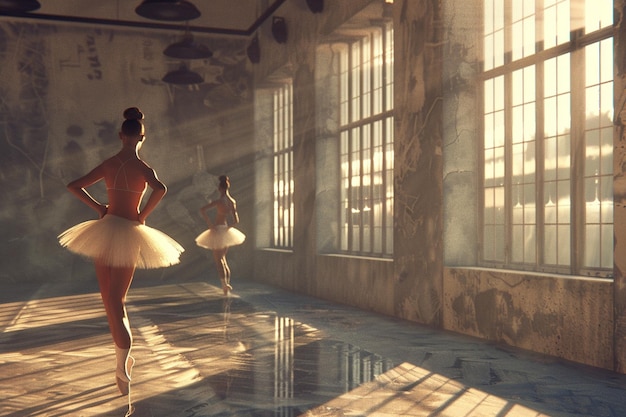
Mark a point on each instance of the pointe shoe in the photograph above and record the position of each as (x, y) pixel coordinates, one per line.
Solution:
(226, 287)
(123, 379)
(125, 364)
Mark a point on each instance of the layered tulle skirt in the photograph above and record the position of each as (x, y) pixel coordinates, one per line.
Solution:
(220, 237)
(119, 242)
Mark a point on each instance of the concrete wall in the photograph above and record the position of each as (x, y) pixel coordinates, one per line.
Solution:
(367, 283)
(63, 88)
(566, 317)
(432, 277)
(619, 188)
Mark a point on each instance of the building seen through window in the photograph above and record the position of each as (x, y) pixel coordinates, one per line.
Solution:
(548, 136)
(366, 152)
(283, 218)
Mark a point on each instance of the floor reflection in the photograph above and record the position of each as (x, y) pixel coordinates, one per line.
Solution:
(199, 354)
(282, 367)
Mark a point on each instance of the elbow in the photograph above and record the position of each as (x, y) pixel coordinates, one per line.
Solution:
(72, 186)
(161, 189)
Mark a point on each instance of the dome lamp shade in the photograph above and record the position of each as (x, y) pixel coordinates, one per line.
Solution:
(183, 76)
(19, 5)
(168, 10)
(187, 48)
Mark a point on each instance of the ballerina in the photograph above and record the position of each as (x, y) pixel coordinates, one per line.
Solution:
(221, 235)
(119, 241)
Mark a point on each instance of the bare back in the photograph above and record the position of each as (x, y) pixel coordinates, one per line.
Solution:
(225, 206)
(126, 183)
(126, 178)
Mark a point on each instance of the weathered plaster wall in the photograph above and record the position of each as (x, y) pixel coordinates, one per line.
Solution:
(411, 286)
(276, 267)
(296, 60)
(366, 283)
(565, 317)
(63, 88)
(437, 146)
(461, 127)
(499, 305)
(418, 193)
(619, 187)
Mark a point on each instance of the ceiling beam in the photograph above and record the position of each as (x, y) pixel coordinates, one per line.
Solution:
(178, 27)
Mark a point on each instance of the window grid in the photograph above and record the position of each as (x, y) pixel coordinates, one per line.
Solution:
(283, 221)
(523, 242)
(493, 185)
(366, 145)
(556, 15)
(598, 186)
(523, 27)
(537, 104)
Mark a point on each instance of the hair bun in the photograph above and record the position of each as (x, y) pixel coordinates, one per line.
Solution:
(133, 113)
(224, 181)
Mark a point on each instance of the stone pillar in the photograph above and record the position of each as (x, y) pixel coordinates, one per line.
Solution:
(418, 232)
(304, 243)
(619, 189)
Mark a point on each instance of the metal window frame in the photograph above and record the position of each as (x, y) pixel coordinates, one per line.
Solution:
(378, 232)
(282, 151)
(575, 48)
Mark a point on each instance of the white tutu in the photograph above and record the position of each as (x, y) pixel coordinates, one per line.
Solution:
(119, 242)
(220, 237)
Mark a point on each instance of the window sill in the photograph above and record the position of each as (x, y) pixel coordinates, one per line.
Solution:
(533, 273)
(364, 258)
(279, 250)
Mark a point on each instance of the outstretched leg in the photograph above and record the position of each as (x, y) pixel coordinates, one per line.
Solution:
(114, 284)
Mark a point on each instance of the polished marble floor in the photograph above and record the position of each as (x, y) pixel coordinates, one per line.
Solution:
(266, 352)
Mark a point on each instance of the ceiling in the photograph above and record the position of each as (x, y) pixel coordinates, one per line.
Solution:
(224, 17)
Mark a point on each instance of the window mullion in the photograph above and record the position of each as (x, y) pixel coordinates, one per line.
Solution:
(361, 197)
(539, 139)
(281, 199)
(508, 170)
(508, 135)
(383, 140)
(540, 163)
(290, 164)
(349, 196)
(283, 167)
(372, 95)
(362, 161)
(577, 136)
(289, 179)
(372, 70)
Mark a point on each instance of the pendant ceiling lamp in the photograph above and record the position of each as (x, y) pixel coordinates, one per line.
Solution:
(316, 6)
(279, 29)
(168, 10)
(19, 5)
(254, 50)
(183, 76)
(187, 48)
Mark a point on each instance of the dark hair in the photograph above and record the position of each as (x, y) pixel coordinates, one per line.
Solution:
(133, 113)
(224, 182)
(132, 125)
